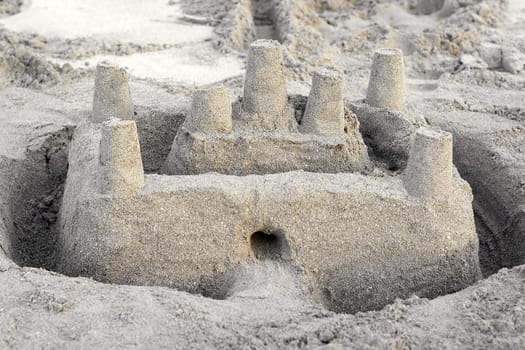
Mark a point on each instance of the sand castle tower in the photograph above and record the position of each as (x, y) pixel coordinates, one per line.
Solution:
(324, 112)
(264, 85)
(122, 173)
(429, 170)
(211, 111)
(112, 98)
(386, 88)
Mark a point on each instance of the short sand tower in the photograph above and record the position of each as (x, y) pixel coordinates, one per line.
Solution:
(112, 98)
(324, 113)
(211, 111)
(264, 86)
(386, 88)
(429, 169)
(120, 159)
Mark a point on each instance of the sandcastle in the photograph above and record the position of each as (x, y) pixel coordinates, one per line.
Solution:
(260, 178)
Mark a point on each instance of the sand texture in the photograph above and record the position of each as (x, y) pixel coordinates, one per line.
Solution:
(355, 179)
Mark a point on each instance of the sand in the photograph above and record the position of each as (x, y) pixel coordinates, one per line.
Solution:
(125, 21)
(465, 74)
(189, 59)
(197, 64)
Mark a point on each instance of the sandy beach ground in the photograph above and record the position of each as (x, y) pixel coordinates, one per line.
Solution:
(465, 66)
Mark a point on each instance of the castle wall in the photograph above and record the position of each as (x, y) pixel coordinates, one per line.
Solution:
(360, 241)
(386, 87)
(246, 153)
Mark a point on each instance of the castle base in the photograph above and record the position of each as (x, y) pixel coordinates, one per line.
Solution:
(359, 241)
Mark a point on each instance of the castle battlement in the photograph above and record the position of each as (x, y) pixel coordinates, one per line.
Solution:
(261, 134)
(258, 179)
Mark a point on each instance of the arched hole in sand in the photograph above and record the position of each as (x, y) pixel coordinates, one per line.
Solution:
(270, 245)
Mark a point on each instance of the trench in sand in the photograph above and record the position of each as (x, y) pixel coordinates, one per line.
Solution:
(263, 18)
